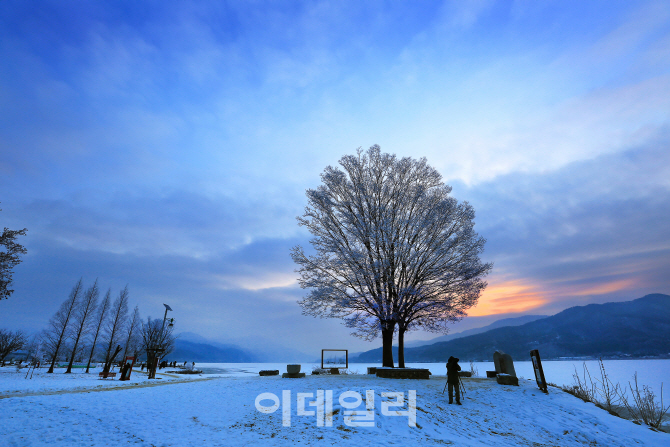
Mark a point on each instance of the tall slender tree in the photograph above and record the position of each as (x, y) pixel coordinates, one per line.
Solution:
(393, 250)
(59, 325)
(133, 328)
(100, 318)
(82, 319)
(115, 326)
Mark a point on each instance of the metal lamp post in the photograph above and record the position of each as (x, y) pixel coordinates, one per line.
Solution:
(165, 318)
(155, 348)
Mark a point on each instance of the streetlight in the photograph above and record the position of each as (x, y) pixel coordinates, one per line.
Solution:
(157, 349)
(165, 317)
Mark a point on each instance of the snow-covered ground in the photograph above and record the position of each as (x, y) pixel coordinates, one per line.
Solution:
(13, 382)
(221, 409)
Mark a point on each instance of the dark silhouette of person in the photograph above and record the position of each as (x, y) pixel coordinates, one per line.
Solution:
(452, 379)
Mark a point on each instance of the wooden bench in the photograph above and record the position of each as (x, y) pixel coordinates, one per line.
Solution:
(110, 374)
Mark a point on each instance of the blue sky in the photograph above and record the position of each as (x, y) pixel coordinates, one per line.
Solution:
(168, 145)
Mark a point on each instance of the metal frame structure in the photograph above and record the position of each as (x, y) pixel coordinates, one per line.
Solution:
(346, 352)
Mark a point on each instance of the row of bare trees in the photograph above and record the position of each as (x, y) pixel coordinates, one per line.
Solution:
(86, 327)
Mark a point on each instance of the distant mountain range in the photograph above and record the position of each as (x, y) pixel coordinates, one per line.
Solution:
(185, 350)
(192, 347)
(638, 328)
(515, 321)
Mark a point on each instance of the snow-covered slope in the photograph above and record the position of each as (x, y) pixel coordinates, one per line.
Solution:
(222, 411)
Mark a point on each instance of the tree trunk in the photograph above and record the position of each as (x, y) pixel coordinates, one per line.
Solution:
(108, 363)
(401, 347)
(74, 352)
(151, 361)
(102, 316)
(387, 344)
(53, 360)
(90, 357)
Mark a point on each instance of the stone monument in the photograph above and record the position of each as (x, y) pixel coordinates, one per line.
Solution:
(508, 365)
(503, 363)
(496, 361)
(505, 372)
(506, 379)
(293, 372)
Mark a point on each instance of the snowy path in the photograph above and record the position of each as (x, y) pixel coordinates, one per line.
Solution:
(223, 413)
(112, 387)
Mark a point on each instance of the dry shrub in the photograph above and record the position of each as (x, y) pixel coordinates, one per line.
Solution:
(609, 394)
(644, 407)
(584, 388)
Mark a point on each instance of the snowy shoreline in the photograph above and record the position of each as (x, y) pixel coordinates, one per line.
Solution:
(223, 411)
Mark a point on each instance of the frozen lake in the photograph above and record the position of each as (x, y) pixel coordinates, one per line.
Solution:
(649, 372)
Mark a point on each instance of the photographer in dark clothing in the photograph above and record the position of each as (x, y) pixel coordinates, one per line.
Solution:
(452, 379)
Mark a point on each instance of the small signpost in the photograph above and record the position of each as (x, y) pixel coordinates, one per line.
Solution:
(127, 368)
(537, 368)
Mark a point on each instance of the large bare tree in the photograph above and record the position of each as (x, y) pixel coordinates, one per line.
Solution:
(394, 251)
(9, 258)
(157, 340)
(81, 320)
(59, 328)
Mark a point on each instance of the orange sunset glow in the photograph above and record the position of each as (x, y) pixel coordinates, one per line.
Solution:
(508, 297)
(519, 295)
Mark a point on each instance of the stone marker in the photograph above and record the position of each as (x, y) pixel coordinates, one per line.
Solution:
(505, 373)
(506, 379)
(293, 372)
(496, 361)
(491, 374)
(508, 364)
(464, 373)
(269, 372)
(504, 363)
(372, 370)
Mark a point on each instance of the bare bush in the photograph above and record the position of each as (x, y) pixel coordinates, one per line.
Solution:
(644, 407)
(584, 388)
(608, 393)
